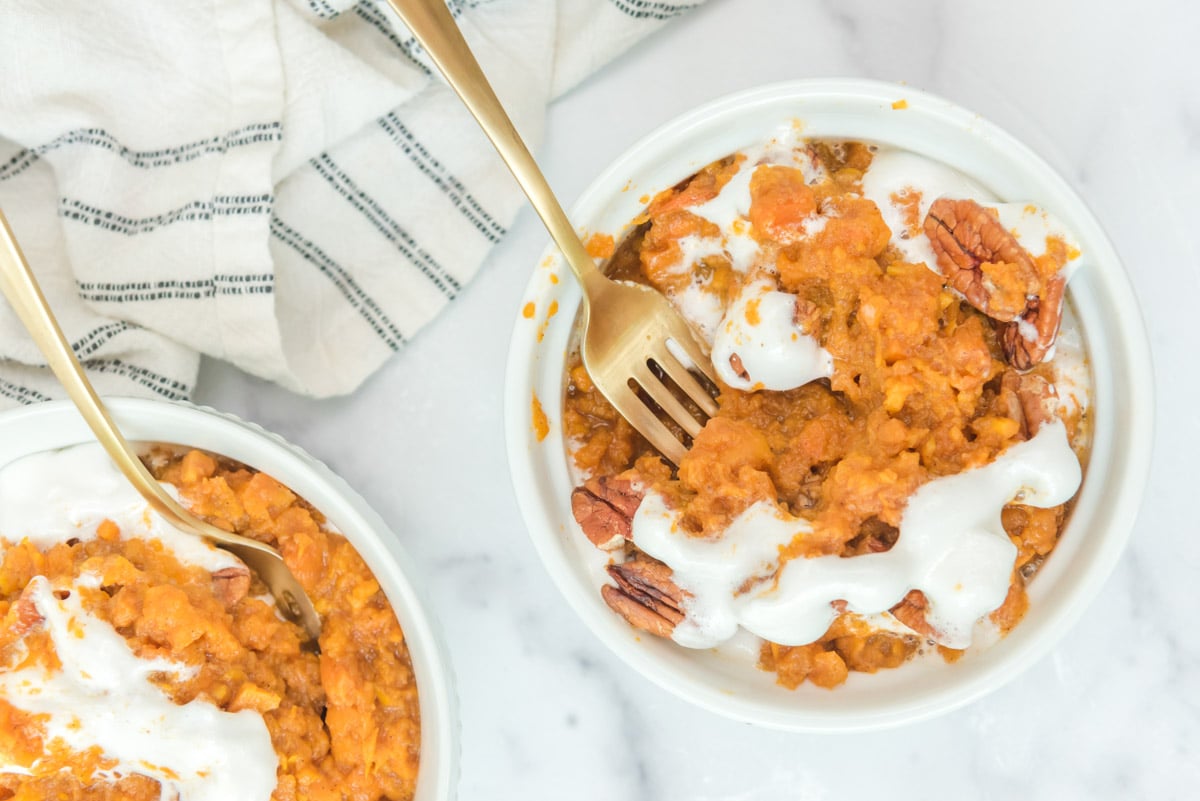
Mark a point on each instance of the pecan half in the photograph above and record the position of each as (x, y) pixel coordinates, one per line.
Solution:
(984, 261)
(604, 508)
(966, 238)
(1042, 318)
(645, 595)
(230, 584)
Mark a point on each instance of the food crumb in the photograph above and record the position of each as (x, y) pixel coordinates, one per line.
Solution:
(600, 246)
(541, 424)
(529, 310)
(951, 655)
(900, 104)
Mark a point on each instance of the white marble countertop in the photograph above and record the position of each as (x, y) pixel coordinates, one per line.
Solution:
(1106, 93)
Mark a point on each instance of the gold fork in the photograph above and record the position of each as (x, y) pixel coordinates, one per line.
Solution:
(18, 284)
(630, 331)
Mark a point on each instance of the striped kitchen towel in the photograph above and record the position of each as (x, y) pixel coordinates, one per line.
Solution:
(282, 184)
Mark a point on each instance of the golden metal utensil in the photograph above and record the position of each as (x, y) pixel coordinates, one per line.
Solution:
(626, 327)
(21, 288)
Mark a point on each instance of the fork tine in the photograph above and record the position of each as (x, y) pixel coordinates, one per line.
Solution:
(677, 371)
(639, 415)
(655, 388)
(686, 342)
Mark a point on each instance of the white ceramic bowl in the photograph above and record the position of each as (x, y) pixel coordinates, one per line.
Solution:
(1122, 404)
(53, 425)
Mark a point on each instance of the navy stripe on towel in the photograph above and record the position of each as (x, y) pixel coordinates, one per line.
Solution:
(158, 384)
(146, 159)
(196, 289)
(363, 303)
(649, 9)
(21, 394)
(388, 227)
(451, 186)
(95, 339)
(322, 9)
(373, 16)
(197, 210)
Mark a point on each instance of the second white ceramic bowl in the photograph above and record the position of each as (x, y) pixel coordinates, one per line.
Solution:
(1122, 404)
(54, 425)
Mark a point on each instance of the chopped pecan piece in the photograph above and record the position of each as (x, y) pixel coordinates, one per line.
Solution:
(230, 584)
(604, 508)
(1030, 399)
(645, 595)
(807, 315)
(27, 614)
(911, 612)
(739, 369)
(1038, 401)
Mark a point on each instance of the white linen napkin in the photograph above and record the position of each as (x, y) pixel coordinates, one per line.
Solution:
(282, 184)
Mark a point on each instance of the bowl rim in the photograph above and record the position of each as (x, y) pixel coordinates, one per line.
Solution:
(146, 420)
(1130, 349)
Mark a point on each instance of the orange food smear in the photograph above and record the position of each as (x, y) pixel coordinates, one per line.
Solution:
(753, 316)
(909, 203)
(529, 310)
(541, 424)
(550, 312)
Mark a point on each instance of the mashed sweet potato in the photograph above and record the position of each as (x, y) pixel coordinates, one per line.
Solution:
(344, 724)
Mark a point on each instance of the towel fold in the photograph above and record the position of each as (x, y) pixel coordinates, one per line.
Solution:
(282, 184)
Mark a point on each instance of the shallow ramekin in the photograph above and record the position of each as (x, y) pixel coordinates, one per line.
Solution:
(1122, 403)
(53, 425)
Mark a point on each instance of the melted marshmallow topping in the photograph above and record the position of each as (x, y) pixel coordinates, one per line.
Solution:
(730, 209)
(901, 183)
(774, 352)
(695, 301)
(56, 496)
(952, 546)
(1034, 227)
(103, 697)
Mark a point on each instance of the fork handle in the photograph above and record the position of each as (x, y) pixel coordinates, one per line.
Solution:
(433, 25)
(20, 287)
(18, 284)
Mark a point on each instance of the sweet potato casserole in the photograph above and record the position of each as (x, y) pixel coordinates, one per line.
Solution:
(900, 429)
(139, 663)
